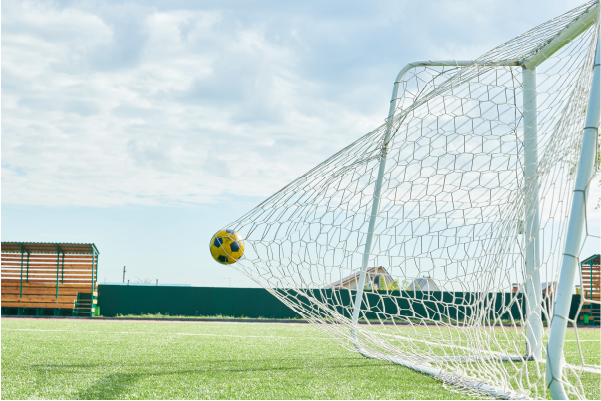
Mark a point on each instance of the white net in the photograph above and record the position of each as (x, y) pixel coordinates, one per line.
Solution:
(447, 279)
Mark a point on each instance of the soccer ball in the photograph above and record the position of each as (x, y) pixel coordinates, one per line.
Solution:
(227, 246)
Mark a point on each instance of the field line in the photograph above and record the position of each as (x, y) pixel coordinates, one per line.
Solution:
(179, 334)
(235, 336)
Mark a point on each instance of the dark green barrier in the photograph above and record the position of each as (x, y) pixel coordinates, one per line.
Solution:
(258, 302)
(190, 301)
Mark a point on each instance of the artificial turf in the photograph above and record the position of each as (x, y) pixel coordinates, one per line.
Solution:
(72, 359)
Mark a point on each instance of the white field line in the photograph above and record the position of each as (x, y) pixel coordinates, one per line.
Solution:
(179, 334)
(397, 337)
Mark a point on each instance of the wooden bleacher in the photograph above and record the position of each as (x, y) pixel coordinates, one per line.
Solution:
(39, 278)
(591, 288)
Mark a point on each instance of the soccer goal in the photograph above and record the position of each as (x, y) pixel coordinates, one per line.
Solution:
(448, 239)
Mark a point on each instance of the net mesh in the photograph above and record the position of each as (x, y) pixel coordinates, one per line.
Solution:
(446, 273)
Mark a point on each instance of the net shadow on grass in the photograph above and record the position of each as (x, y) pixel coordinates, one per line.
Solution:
(115, 385)
(110, 387)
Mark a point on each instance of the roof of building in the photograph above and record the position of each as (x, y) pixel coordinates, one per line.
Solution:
(424, 283)
(355, 275)
(596, 259)
(49, 247)
(543, 285)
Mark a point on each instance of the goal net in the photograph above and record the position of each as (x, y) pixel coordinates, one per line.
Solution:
(436, 240)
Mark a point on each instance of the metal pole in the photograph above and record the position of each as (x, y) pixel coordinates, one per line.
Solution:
(58, 262)
(21, 286)
(565, 286)
(534, 324)
(378, 187)
(123, 274)
(28, 266)
(92, 293)
(63, 269)
(592, 260)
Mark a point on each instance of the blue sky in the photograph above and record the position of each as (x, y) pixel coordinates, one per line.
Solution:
(145, 127)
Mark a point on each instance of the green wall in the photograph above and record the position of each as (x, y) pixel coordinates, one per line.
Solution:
(258, 302)
(190, 301)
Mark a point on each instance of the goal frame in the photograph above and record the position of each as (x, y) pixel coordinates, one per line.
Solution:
(532, 287)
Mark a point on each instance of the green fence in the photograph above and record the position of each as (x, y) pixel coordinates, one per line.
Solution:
(258, 302)
(191, 301)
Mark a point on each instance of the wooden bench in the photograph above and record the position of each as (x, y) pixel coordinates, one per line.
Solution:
(42, 276)
(591, 288)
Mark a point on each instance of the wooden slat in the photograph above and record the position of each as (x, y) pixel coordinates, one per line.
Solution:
(37, 298)
(77, 283)
(51, 268)
(48, 291)
(33, 259)
(16, 283)
(47, 273)
(85, 309)
(86, 302)
(17, 263)
(33, 276)
(69, 305)
(46, 266)
(45, 256)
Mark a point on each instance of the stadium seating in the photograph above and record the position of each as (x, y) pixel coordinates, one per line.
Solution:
(42, 276)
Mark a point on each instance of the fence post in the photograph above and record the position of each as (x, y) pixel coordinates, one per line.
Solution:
(28, 266)
(592, 260)
(92, 293)
(21, 286)
(58, 262)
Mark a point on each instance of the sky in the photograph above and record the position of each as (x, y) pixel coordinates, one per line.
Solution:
(144, 127)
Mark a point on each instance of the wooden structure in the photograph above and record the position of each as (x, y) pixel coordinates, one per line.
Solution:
(591, 289)
(376, 278)
(57, 277)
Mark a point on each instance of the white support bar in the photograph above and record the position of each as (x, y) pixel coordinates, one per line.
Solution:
(570, 263)
(534, 324)
(563, 38)
(382, 167)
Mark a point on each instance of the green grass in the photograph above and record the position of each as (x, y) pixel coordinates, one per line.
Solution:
(216, 317)
(60, 359)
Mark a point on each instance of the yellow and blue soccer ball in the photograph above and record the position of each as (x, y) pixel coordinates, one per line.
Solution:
(227, 246)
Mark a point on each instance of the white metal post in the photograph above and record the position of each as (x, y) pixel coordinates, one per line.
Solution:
(532, 287)
(382, 167)
(570, 263)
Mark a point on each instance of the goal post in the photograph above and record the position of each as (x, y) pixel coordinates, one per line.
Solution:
(532, 286)
(435, 241)
(576, 225)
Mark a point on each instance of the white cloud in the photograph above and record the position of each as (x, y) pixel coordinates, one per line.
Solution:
(113, 104)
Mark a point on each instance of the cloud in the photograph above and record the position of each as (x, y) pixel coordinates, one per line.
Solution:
(141, 103)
